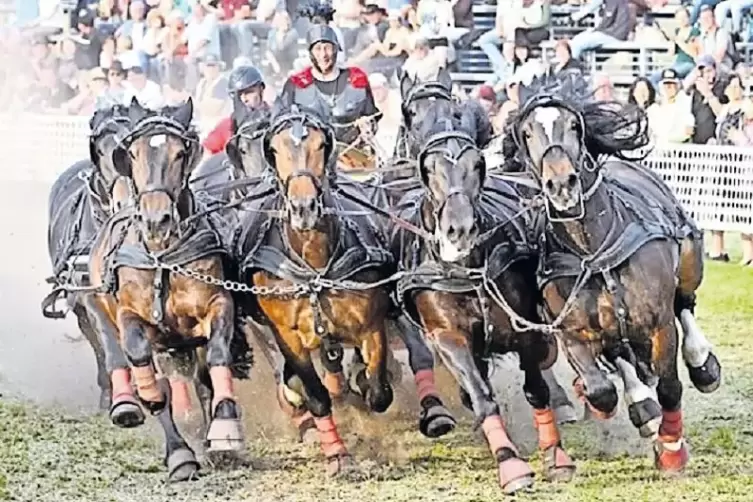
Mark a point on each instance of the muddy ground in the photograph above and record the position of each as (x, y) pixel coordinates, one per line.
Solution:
(55, 447)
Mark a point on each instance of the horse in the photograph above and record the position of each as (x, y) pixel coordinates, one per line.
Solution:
(242, 158)
(418, 98)
(620, 259)
(79, 202)
(158, 267)
(318, 266)
(470, 241)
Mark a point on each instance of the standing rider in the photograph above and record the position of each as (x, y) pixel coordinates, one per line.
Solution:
(344, 93)
(246, 88)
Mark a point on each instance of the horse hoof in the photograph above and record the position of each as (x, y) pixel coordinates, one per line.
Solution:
(436, 421)
(225, 435)
(514, 475)
(559, 467)
(126, 413)
(182, 466)
(565, 414)
(646, 416)
(671, 460)
(339, 465)
(707, 378)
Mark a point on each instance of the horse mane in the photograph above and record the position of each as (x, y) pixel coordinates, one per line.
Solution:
(317, 9)
(611, 128)
(467, 116)
(102, 114)
(258, 118)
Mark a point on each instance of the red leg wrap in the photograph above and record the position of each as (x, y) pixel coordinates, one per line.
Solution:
(222, 382)
(120, 380)
(425, 384)
(146, 384)
(181, 397)
(332, 444)
(547, 427)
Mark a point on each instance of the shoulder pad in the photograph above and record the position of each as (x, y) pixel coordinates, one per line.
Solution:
(303, 78)
(357, 78)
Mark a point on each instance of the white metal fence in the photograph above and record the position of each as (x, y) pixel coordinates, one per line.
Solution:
(715, 183)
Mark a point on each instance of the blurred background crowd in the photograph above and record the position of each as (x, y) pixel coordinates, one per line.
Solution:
(687, 64)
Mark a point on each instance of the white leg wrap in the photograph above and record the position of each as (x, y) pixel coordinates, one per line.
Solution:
(292, 396)
(635, 390)
(695, 346)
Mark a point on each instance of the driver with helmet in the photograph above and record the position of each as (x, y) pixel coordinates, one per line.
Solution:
(246, 88)
(344, 92)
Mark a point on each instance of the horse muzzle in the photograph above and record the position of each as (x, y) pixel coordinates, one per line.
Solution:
(560, 180)
(304, 212)
(456, 231)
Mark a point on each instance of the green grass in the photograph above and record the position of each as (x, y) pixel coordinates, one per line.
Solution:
(49, 455)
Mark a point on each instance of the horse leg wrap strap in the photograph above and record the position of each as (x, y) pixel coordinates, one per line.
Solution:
(546, 425)
(496, 434)
(181, 398)
(125, 410)
(332, 444)
(120, 380)
(670, 430)
(335, 383)
(146, 384)
(670, 450)
(425, 384)
(222, 382)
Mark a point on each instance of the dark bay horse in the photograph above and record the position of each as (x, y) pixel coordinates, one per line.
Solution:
(79, 203)
(620, 258)
(418, 98)
(315, 268)
(472, 233)
(159, 267)
(243, 156)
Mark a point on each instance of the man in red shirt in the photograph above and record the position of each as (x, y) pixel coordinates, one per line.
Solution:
(246, 87)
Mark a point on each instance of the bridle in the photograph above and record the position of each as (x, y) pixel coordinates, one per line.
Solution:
(299, 124)
(151, 127)
(583, 159)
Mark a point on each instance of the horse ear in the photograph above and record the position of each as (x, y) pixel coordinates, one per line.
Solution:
(184, 113)
(406, 84)
(136, 112)
(93, 154)
(444, 78)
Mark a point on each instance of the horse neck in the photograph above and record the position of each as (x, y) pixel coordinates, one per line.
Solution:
(597, 226)
(315, 247)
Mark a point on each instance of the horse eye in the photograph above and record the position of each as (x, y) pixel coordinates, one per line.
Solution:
(574, 125)
(527, 134)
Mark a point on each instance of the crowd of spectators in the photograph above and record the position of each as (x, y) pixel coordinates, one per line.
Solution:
(162, 51)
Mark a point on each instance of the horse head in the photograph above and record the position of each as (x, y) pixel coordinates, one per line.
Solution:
(158, 155)
(108, 128)
(300, 146)
(560, 131)
(418, 97)
(452, 170)
(245, 148)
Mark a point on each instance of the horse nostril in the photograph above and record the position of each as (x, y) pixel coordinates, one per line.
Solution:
(549, 185)
(572, 180)
(451, 231)
(312, 205)
(473, 233)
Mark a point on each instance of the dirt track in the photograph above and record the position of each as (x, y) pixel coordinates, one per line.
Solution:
(64, 452)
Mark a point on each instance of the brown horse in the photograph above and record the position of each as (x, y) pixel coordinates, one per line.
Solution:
(303, 267)
(160, 274)
(620, 259)
(470, 236)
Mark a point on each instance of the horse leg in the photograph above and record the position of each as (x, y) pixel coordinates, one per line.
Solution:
(203, 387)
(103, 379)
(643, 410)
(290, 398)
(180, 459)
(670, 451)
(703, 366)
(331, 353)
(434, 419)
(591, 384)
(557, 464)
(453, 345)
(125, 410)
(138, 350)
(370, 381)
(315, 396)
(225, 432)
(563, 408)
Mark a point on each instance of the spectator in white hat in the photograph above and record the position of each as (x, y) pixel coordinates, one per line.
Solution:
(146, 92)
